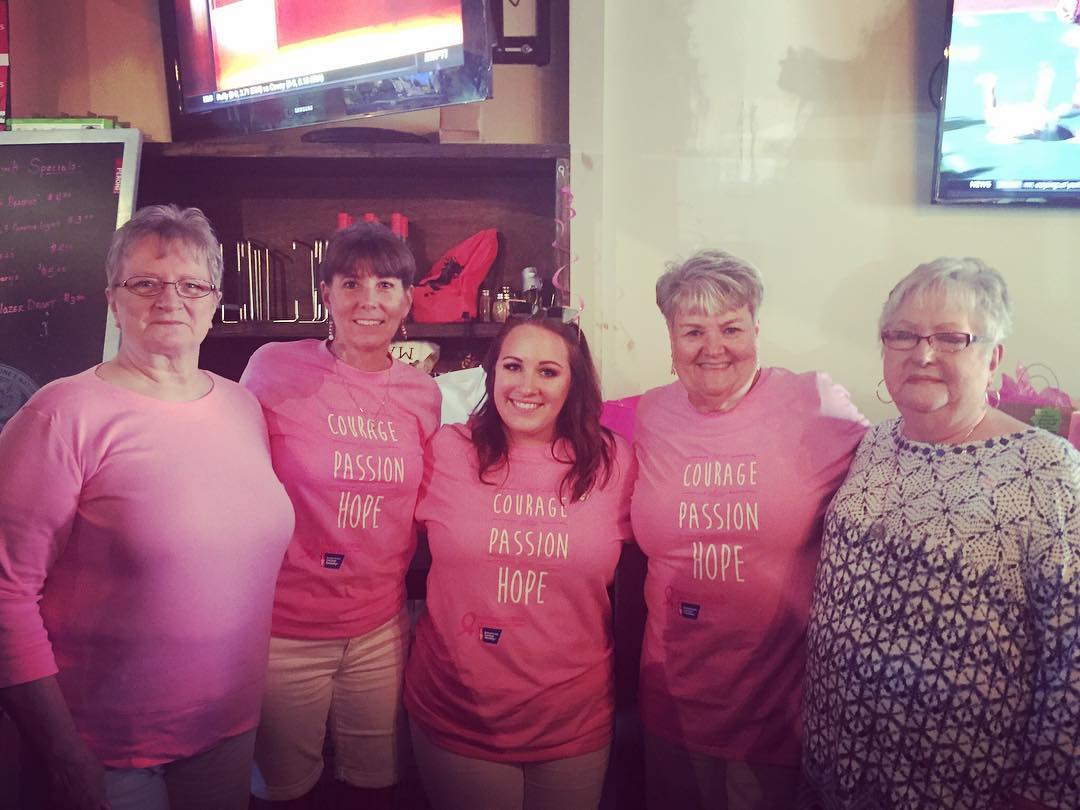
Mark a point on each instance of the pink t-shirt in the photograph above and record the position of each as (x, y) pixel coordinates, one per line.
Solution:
(512, 660)
(728, 507)
(348, 445)
(151, 532)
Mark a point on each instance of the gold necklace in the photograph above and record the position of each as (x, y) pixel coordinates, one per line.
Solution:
(967, 435)
(348, 384)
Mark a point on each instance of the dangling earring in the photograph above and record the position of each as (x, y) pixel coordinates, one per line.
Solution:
(330, 335)
(403, 330)
(877, 393)
(993, 398)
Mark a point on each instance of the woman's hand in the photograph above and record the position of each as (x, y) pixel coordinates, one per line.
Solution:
(75, 777)
(76, 780)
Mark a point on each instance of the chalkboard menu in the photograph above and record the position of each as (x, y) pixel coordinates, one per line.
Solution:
(62, 195)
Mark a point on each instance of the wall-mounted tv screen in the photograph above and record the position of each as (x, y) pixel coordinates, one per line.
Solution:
(1009, 126)
(241, 66)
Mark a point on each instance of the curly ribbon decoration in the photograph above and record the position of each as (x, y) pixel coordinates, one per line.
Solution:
(562, 238)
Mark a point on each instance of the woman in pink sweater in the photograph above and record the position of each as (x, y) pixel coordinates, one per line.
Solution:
(141, 529)
(509, 685)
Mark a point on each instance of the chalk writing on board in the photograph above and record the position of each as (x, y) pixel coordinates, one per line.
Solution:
(61, 197)
(24, 201)
(39, 168)
(58, 209)
(51, 270)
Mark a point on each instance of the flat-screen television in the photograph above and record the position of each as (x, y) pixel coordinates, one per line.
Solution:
(1009, 124)
(241, 66)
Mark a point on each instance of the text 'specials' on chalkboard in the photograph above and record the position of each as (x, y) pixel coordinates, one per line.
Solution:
(62, 194)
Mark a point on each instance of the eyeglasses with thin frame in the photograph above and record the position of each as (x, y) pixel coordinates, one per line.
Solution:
(902, 340)
(148, 286)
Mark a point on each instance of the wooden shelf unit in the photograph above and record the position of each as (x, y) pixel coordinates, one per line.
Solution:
(275, 193)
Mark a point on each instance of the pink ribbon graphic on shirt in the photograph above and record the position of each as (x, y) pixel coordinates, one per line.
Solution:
(468, 624)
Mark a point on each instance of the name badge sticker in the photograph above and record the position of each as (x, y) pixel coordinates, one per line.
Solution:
(490, 635)
(688, 610)
(333, 561)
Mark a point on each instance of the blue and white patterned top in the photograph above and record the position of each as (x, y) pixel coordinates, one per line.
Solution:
(944, 646)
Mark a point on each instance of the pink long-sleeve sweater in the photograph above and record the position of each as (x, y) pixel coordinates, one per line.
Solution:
(139, 544)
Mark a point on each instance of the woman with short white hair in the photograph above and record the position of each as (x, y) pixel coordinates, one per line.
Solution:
(942, 663)
(737, 463)
(141, 532)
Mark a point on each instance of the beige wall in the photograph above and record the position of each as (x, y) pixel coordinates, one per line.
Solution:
(99, 56)
(798, 135)
(104, 56)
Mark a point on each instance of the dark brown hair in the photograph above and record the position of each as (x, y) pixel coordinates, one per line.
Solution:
(591, 445)
(367, 247)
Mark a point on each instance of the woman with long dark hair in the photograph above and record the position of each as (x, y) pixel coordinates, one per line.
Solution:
(509, 684)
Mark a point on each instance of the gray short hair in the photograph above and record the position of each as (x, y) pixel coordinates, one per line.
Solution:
(968, 283)
(175, 226)
(710, 281)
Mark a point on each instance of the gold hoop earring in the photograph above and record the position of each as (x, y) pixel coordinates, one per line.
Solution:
(993, 398)
(877, 393)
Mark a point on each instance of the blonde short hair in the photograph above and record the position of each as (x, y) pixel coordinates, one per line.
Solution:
(710, 281)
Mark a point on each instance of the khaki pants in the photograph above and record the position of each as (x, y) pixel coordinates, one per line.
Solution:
(351, 684)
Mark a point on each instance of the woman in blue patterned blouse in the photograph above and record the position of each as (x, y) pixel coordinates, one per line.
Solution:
(944, 642)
